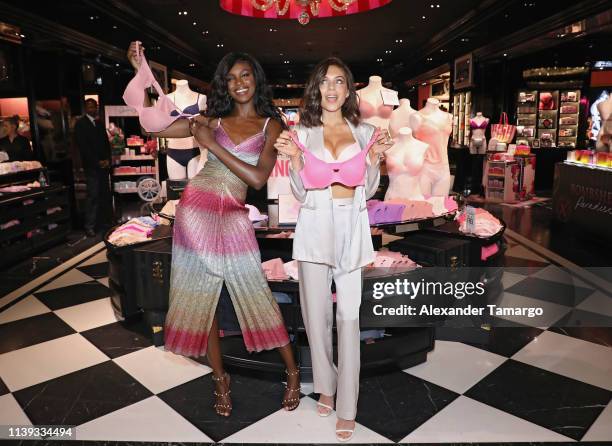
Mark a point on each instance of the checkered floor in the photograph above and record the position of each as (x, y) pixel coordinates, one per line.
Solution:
(65, 359)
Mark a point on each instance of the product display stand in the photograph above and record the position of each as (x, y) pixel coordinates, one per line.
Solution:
(34, 219)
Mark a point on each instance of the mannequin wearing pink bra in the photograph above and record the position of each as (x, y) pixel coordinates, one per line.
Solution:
(404, 164)
(400, 117)
(332, 175)
(371, 106)
(433, 126)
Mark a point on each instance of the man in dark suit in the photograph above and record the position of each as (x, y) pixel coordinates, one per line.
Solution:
(94, 147)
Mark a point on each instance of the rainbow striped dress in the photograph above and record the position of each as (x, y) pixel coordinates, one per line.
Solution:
(214, 242)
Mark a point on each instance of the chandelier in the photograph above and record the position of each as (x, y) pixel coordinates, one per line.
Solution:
(302, 10)
(311, 7)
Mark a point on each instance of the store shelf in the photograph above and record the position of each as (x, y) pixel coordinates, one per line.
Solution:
(132, 174)
(137, 158)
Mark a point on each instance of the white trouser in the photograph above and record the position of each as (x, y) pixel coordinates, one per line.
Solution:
(317, 312)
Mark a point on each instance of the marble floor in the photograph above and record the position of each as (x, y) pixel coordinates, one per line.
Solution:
(66, 359)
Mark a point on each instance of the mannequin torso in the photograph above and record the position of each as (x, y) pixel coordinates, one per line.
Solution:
(433, 126)
(400, 117)
(185, 157)
(184, 98)
(371, 106)
(404, 163)
(478, 140)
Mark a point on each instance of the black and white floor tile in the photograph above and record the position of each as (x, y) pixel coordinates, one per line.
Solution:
(65, 358)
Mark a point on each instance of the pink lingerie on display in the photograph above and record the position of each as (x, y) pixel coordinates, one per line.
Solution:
(254, 214)
(291, 269)
(135, 230)
(367, 110)
(274, 269)
(488, 251)
(485, 224)
(414, 209)
(159, 116)
(475, 126)
(388, 259)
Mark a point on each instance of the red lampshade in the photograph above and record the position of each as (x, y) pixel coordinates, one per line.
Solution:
(245, 8)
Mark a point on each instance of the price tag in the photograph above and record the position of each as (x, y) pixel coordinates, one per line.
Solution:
(389, 97)
(470, 219)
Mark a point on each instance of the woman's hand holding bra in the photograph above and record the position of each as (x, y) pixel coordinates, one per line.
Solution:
(134, 52)
(383, 142)
(285, 144)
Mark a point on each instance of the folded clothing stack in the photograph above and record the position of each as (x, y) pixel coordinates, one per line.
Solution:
(485, 224)
(254, 214)
(135, 230)
(274, 269)
(18, 166)
(387, 259)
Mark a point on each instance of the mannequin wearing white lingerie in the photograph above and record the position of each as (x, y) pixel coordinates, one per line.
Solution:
(371, 106)
(400, 117)
(433, 126)
(185, 158)
(478, 140)
(404, 164)
(604, 137)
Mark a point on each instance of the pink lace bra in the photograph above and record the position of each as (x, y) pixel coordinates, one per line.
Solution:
(318, 174)
(367, 110)
(159, 116)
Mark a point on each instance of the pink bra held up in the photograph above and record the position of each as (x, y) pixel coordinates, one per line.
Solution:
(318, 174)
(159, 116)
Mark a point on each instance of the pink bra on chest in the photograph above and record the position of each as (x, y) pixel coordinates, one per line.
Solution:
(318, 174)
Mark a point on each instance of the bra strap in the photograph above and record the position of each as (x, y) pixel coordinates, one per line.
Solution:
(371, 142)
(264, 127)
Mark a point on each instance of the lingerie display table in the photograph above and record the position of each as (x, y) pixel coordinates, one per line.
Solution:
(400, 348)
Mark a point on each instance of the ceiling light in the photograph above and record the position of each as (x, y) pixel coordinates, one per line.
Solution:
(505, 54)
(192, 65)
(180, 13)
(116, 64)
(423, 17)
(184, 12)
(205, 32)
(114, 26)
(195, 23)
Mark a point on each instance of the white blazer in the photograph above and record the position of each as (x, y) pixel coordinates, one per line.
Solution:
(314, 231)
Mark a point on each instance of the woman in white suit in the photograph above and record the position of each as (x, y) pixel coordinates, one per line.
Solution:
(334, 169)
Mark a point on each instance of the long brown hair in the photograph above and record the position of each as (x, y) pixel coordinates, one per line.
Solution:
(310, 111)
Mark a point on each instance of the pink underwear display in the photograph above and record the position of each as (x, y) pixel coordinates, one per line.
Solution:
(274, 269)
(485, 224)
(414, 209)
(488, 251)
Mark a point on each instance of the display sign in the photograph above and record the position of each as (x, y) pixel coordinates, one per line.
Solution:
(278, 182)
(582, 196)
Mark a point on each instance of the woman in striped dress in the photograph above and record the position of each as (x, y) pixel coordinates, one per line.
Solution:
(214, 241)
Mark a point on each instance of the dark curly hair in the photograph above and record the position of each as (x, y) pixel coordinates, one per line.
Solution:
(220, 103)
(310, 112)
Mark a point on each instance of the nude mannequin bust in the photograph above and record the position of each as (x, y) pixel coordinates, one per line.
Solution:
(371, 106)
(433, 126)
(404, 164)
(400, 117)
